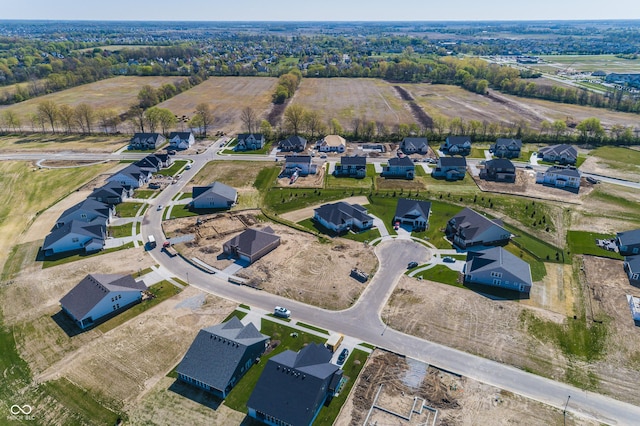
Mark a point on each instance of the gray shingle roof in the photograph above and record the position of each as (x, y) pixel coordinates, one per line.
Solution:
(508, 142)
(293, 142)
(293, 384)
(216, 352)
(416, 143)
(404, 161)
(340, 212)
(629, 238)
(453, 162)
(499, 163)
(563, 171)
(558, 150)
(297, 159)
(406, 205)
(217, 188)
(473, 223)
(497, 259)
(184, 136)
(252, 241)
(93, 229)
(355, 160)
(93, 288)
(633, 263)
(88, 205)
(458, 140)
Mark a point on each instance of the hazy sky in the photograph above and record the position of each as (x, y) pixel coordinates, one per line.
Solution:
(314, 10)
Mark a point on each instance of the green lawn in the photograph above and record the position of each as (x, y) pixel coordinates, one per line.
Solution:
(144, 193)
(582, 242)
(441, 274)
(80, 402)
(311, 327)
(127, 209)
(538, 248)
(365, 236)
(175, 168)
(162, 291)
(235, 313)
(281, 200)
(348, 183)
(61, 259)
(262, 151)
(538, 270)
(120, 231)
(239, 395)
(182, 210)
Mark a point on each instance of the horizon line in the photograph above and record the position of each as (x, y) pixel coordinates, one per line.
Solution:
(319, 21)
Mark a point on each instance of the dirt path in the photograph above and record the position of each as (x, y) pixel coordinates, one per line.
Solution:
(307, 212)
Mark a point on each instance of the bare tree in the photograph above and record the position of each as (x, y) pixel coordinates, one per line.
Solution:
(206, 117)
(136, 116)
(313, 123)
(84, 115)
(294, 118)
(49, 112)
(249, 119)
(66, 114)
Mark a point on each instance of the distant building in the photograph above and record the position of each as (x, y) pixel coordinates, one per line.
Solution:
(414, 213)
(341, 217)
(220, 355)
(399, 168)
(293, 387)
(252, 244)
(507, 148)
(628, 242)
(101, 295)
(563, 177)
(293, 144)
(351, 167)
(450, 168)
(146, 141)
(214, 196)
(332, 143)
(497, 267)
(76, 235)
(631, 79)
(562, 154)
(414, 146)
(298, 163)
(111, 193)
(634, 305)
(499, 170)
(131, 176)
(456, 145)
(181, 140)
(86, 211)
(250, 142)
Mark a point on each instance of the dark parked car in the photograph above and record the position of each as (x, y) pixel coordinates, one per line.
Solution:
(343, 356)
(412, 265)
(448, 259)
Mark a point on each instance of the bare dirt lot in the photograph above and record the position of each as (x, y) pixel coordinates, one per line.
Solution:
(226, 96)
(297, 269)
(347, 99)
(310, 181)
(497, 329)
(403, 382)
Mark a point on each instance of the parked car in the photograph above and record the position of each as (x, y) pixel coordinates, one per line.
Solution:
(159, 207)
(343, 356)
(528, 166)
(188, 166)
(448, 259)
(171, 152)
(396, 226)
(281, 312)
(412, 265)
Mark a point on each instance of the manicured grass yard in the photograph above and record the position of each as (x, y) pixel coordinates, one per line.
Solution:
(120, 231)
(582, 242)
(368, 235)
(127, 209)
(66, 258)
(538, 248)
(175, 168)
(441, 274)
(144, 193)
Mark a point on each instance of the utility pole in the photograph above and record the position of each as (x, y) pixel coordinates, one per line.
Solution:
(564, 412)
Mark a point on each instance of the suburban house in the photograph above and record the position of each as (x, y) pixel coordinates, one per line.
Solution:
(414, 146)
(214, 196)
(332, 143)
(456, 145)
(298, 163)
(220, 355)
(342, 217)
(499, 170)
(469, 228)
(249, 142)
(399, 168)
(294, 386)
(181, 140)
(251, 244)
(414, 213)
(506, 148)
(450, 168)
(101, 295)
(632, 268)
(86, 211)
(165, 159)
(634, 305)
(497, 267)
(355, 166)
(147, 141)
(150, 163)
(563, 154)
(111, 193)
(132, 176)
(293, 144)
(76, 235)
(564, 177)
(628, 242)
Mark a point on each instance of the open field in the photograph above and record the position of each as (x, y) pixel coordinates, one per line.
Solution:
(452, 101)
(589, 63)
(55, 143)
(227, 97)
(459, 400)
(39, 188)
(620, 162)
(117, 93)
(347, 99)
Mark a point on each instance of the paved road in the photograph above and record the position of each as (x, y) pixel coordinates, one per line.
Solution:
(362, 321)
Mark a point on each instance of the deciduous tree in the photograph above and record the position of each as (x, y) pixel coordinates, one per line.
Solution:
(249, 119)
(203, 111)
(49, 112)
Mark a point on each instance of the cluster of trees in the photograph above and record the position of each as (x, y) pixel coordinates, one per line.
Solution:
(287, 85)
